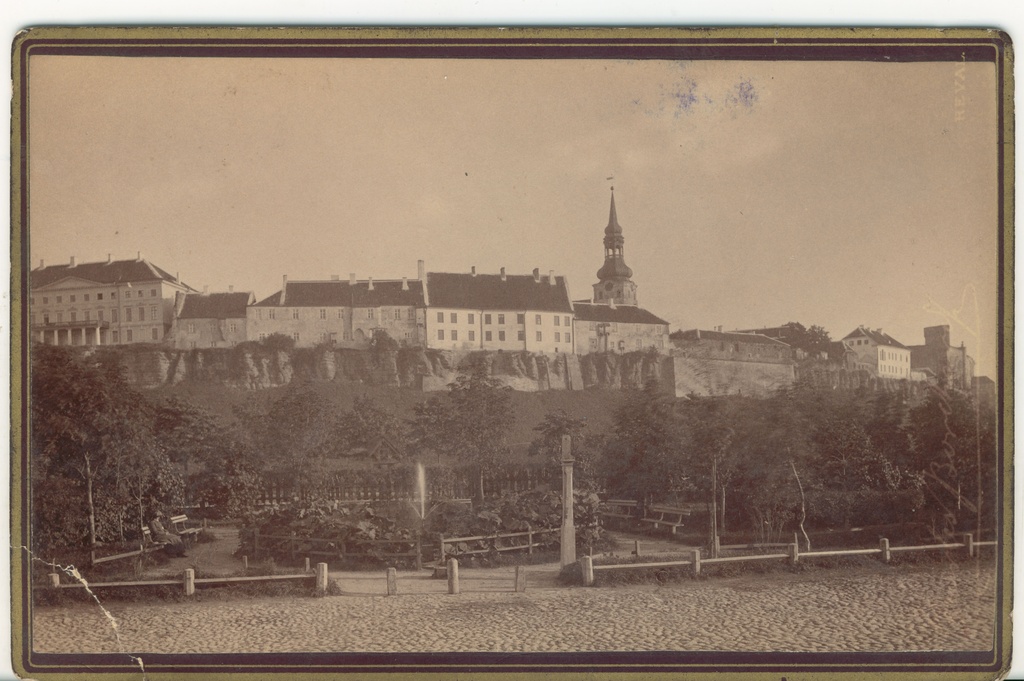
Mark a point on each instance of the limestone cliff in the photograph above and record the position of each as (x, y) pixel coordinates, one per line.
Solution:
(251, 366)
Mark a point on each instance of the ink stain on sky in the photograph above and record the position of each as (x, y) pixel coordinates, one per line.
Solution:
(686, 96)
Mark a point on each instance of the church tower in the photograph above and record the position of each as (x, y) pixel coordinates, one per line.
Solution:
(614, 285)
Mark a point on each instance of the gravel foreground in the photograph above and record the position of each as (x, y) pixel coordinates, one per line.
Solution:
(933, 608)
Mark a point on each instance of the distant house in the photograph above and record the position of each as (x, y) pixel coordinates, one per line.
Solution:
(714, 363)
(879, 353)
(210, 320)
(470, 311)
(618, 328)
(341, 313)
(111, 302)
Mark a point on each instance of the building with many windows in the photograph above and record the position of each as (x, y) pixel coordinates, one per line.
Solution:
(879, 353)
(614, 321)
(110, 302)
(716, 363)
(341, 313)
(210, 320)
(470, 311)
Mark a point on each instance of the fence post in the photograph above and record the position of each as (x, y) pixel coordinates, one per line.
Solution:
(419, 553)
(529, 539)
(54, 579)
(256, 543)
(291, 545)
(190, 582)
(520, 578)
(718, 547)
(245, 562)
(306, 569)
(392, 581)
(969, 544)
(794, 553)
(453, 576)
(588, 571)
(696, 562)
(636, 547)
(883, 544)
(321, 578)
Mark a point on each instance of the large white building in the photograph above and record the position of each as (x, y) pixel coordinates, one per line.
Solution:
(109, 302)
(471, 311)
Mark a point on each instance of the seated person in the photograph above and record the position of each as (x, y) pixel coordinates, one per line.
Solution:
(174, 545)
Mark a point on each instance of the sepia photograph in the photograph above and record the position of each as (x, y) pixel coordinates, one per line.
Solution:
(465, 351)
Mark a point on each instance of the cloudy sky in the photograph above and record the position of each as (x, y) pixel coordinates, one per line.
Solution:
(750, 193)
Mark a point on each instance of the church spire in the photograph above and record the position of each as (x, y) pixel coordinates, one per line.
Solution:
(614, 278)
(613, 220)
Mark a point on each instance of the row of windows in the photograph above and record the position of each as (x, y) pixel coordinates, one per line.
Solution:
(890, 356)
(154, 315)
(453, 318)
(72, 298)
(322, 313)
(115, 336)
(488, 337)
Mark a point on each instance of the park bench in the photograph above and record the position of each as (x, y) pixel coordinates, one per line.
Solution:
(665, 515)
(618, 508)
(145, 546)
(179, 524)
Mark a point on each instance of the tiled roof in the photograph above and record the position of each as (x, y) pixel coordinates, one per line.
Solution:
(215, 305)
(622, 314)
(112, 272)
(728, 336)
(345, 294)
(490, 292)
(876, 336)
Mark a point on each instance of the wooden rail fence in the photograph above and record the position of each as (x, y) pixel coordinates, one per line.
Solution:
(793, 555)
(189, 581)
(294, 546)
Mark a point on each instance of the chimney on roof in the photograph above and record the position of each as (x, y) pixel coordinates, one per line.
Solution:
(110, 258)
(698, 334)
(231, 288)
(206, 289)
(284, 287)
(351, 278)
(421, 270)
(335, 277)
(472, 270)
(503, 274)
(177, 277)
(536, 275)
(72, 261)
(138, 255)
(551, 277)
(369, 286)
(405, 284)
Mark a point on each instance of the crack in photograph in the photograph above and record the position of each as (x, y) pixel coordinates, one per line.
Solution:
(350, 351)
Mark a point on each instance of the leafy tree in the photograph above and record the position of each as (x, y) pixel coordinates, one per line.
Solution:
(365, 425)
(954, 450)
(470, 423)
(645, 451)
(587, 447)
(292, 435)
(811, 340)
(88, 425)
(712, 453)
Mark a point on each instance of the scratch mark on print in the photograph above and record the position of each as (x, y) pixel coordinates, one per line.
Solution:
(72, 572)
